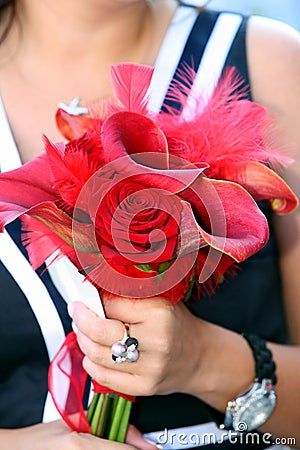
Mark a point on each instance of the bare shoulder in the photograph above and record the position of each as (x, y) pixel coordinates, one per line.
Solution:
(274, 62)
(273, 50)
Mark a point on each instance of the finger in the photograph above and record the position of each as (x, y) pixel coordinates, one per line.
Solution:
(132, 310)
(127, 383)
(102, 355)
(135, 438)
(91, 442)
(98, 329)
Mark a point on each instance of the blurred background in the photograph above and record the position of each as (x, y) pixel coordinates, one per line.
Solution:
(286, 10)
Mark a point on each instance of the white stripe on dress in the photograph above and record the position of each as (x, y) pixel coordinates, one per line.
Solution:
(213, 59)
(40, 303)
(170, 54)
(35, 291)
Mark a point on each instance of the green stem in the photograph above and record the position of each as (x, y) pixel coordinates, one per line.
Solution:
(104, 417)
(114, 405)
(95, 419)
(92, 407)
(114, 429)
(124, 422)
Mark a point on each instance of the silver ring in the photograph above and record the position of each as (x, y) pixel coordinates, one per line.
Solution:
(126, 349)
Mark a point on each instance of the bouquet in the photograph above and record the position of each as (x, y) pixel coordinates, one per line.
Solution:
(147, 204)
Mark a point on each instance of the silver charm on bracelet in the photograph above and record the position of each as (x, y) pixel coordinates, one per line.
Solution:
(126, 349)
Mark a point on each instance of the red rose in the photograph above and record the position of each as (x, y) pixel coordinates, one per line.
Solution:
(138, 225)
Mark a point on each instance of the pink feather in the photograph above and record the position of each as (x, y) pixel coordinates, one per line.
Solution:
(131, 83)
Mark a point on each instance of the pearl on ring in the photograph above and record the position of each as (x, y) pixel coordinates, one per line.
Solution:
(132, 355)
(119, 349)
(126, 349)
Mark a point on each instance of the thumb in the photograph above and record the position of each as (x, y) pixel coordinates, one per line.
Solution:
(134, 437)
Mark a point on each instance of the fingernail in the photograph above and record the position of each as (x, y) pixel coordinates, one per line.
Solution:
(71, 309)
(75, 329)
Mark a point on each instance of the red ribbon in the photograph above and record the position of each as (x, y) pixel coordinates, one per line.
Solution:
(67, 379)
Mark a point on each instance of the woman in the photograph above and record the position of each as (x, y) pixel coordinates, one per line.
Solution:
(54, 52)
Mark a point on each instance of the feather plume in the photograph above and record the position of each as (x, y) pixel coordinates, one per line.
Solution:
(131, 83)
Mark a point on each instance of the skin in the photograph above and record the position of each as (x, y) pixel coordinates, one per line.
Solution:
(42, 71)
(58, 435)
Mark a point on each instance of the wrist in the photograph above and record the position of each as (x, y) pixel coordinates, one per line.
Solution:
(252, 409)
(222, 354)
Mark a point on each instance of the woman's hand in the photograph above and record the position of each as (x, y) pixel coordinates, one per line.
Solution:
(179, 352)
(169, 345)
(52, 435)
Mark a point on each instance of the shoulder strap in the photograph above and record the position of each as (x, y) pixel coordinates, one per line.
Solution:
(216, 39)
(237, 57)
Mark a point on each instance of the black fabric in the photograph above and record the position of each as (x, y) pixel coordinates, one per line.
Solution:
(23, 354)
(192, 53)
(14, 230)
(251, 300)
(236, 57)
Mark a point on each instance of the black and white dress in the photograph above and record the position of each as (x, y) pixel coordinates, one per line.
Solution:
(33, 313)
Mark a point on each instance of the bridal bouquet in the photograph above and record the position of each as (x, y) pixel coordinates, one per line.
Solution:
(147, 204)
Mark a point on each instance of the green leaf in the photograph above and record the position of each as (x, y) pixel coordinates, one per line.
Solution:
(144, 268)
(191, 285)
(164, 266)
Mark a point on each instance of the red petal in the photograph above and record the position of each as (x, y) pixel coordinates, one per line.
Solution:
(25, 187)
(77, 234)
(190, 237)
(126, 134)
(236, 225)
(129, 281)
(72, 126)
(263, 184)
(41, 242)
